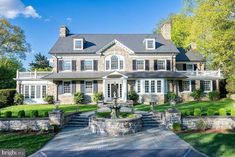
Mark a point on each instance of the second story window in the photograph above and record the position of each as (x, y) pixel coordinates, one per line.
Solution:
(161, 65)
(140, 65)
(114, 62)
(78, 44)
(88, 64)
(67, 65)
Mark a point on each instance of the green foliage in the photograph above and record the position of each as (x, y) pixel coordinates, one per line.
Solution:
(214, 95)
(79, 98)
(176, 126)
(222, 112)
(8, 114)
(19, 99)
(197, 112)
(41, 63)
(21, 114)
(97, 97)
(197, 94)
(210, 112)
(56, 128)
(49, 99)
(7, 97)
(171, 96)
(34, 114)
(132, 95)
(233, 112)
(103, 114)
(46, 114)
(201, 125)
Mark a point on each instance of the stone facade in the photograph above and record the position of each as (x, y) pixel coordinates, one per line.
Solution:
(171, 117)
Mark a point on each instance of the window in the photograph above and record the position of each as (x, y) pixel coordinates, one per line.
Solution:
(150, 44)
(88, 87)
(207, 86)
(26, 91)
(38, 91)
(189, 67)
(67, 65)
(139, 64)
(146, 87)
(120, 90)
(107, 64)
(186, 86)
(88, 64)
(159, 86)
(78, 44)
(138, 86)
(161, 64)
(109, 90)
(44, 91)
(67, 87)
(121, 64)
(152, 86)
(114, 62)
(32, 92)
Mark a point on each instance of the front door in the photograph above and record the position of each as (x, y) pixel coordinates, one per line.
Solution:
(114, 88)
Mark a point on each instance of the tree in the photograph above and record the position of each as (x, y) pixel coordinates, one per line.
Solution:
(12, 41)
(41, 63)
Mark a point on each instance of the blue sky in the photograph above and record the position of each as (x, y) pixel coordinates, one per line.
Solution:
(41, 19)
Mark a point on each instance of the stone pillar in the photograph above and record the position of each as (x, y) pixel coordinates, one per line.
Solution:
(124, 95)
(172, 116)
(56, 117)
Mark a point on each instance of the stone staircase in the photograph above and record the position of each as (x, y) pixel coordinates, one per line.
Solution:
(150, 120)
(78, 121)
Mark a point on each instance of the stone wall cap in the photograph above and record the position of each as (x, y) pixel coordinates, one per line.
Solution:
(20, 119)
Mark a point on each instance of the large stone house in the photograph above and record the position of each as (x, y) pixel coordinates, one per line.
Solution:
(149, 64)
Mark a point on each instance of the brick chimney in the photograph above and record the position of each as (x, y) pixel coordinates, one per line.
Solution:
(64, 31)
(166, 31)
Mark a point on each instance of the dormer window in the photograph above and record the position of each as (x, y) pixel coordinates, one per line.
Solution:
(150, 44)
(78, 44)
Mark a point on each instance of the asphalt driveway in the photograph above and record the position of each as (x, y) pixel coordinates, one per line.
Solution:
(150, 142)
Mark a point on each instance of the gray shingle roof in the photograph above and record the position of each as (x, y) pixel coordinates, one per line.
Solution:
(94, 42)
(189, 56)
(99, 75)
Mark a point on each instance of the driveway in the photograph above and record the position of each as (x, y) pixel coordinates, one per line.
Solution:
(72, 142)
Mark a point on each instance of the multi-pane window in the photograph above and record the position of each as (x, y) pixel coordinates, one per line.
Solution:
(159, 86)
(78, 44)
(150, 44)
(120, 90)
(152, 86)
(109, 90)
(67, 65)
(26, 91)
(34, 91)
(186, 85)
(38, 91)
(44, 91)
(88, 87)
(67, 88)
(114, 62)
(88, 65)
(139, 64)
(146, 86)
(189, 67)
(107, 64)
(161, 65)
(121, 64)
(138, 86)
(207, 86)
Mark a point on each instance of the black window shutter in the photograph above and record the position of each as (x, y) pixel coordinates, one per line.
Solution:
(180, 86)
(73, 87)
(73, 65)
(184, 67)
(60, 88)
(60, 65)
(146, 64)
(82, 86)
(95, 86)
(195, 67)
(134, 64)
(193, 85)
(82, 65)
(168, 65)
(202, 85)
(95, 64)
(214, 84)
(155, 65)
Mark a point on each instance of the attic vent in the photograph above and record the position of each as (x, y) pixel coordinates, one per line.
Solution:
(78, 44)
(150, 44)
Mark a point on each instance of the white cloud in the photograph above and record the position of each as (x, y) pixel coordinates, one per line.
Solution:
(13, 8)
(69, 19)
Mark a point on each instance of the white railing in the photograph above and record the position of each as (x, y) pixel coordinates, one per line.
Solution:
(31, 75)
(202, 73)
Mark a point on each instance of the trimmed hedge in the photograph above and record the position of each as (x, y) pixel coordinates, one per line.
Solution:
(34, 114)
(233, 112)
(21, 114)
(8, 114)
(210, 112)
(7, 97)
(222, 112)
(197, 112)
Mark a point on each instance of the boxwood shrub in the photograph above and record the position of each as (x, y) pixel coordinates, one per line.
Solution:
(233, 112)
(21, 114)
(176, 126)
(210, 112)
(197, 112)
(34, 114)
(214, 95)
(46, 114)
(222, 112)
(8, 114)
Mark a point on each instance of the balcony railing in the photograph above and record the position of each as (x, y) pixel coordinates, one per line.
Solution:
(31, 75)
(202, 73)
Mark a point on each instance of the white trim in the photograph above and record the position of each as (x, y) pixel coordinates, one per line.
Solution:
(115, 73)
(136, 65)
(142, 86)
(211, 86)
(190, 86)
(92, 68)
(92, 89)
(70, 62)
(120, 57)
(74, 40)
(150, 48)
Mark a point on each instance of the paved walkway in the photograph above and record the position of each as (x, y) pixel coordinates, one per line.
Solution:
(151, 142)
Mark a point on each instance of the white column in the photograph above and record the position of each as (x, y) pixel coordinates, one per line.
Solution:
(124, 95)
(104, 89)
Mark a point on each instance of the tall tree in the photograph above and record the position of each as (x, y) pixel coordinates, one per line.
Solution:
(40, 63)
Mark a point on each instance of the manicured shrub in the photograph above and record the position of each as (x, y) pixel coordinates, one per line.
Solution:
(132, 95)
(197, 112)
(233, 112)
(34, 113)
(46, 114)
(49, 99)
(186, 113)
(176, 126)
(21, 114)
(197, 94)
(7, 97)
(214, 95)
(222, 112)
(201, 125)
(8, 114)
(19, 99)
(210, 112)
(79, 98)
(103, 114)
(171, 96)
(98, 96)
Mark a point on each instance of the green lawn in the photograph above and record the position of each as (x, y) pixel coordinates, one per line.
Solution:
(212, 144)
(30, 142)
(43, 108)
(204, 105)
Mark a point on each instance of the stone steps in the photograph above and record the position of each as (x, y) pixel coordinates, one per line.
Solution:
(150, 120)
(78, 121)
